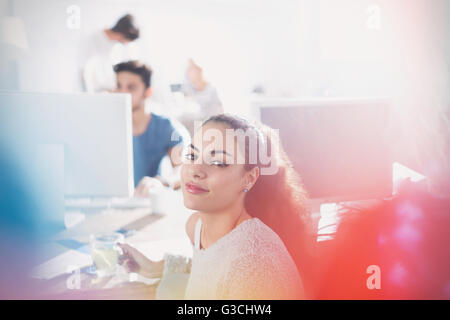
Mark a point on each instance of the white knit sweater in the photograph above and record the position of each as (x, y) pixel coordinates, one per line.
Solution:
(250, 262)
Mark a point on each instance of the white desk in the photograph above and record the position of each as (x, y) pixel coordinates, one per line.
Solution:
(152, 234)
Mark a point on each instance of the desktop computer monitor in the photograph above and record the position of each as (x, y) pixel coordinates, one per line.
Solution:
(339, 148)
(83, 140)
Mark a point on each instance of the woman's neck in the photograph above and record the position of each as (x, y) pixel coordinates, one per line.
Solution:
(218, 224)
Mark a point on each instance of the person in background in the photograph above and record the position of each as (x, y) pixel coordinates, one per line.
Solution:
(105, 49)
(154, 136)
(251, 232)
(201, 92)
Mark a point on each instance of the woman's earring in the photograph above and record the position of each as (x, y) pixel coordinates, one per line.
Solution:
(245, 190)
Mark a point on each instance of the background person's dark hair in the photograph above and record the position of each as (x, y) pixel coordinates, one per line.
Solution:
(279, 199)
(126, 27)
(136, 67)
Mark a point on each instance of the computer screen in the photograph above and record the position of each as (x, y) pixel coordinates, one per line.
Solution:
(339, 148)
(85, 137)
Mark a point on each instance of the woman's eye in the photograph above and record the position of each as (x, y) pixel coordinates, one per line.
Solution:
(190, 156)
(218, 163)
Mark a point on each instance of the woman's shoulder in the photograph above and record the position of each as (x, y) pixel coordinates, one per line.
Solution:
(258, 243)
(258, 234)
(261, 265)
(253, 240)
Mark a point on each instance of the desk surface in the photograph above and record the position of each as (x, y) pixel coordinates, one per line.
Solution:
(152, 234)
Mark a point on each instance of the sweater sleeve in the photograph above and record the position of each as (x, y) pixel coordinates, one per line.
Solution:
(176, 264)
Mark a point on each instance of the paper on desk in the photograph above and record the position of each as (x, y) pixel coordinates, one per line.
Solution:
(105, 222)
(62, 264)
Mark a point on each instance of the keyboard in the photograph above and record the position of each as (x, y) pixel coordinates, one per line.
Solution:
(107, 203)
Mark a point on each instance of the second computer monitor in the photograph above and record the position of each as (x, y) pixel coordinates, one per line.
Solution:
(340, 148)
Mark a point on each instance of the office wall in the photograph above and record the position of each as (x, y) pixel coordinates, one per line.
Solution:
(238, 43)
(292, 48)
(3, 7)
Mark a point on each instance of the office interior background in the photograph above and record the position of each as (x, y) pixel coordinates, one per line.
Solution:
(289, 48)
(256, 53)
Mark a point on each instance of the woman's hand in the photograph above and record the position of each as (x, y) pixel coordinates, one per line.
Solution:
(135, 261)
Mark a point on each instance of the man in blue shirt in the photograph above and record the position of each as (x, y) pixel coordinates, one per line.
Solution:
(153, 135)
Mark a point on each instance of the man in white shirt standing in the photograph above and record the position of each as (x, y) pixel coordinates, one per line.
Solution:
(107, 48)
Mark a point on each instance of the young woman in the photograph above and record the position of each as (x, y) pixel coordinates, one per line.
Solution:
(250, 231)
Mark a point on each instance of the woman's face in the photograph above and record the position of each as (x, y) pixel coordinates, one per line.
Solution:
(211, 178)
